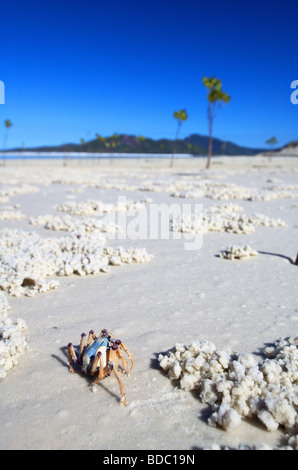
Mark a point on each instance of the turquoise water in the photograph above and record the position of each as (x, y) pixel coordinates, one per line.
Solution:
(92, 157)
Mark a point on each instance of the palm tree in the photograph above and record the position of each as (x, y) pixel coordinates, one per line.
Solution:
(100, 140)
(8, 125)
(113, 144)
(140, 139)
(181, 116)
(216, 98)
(271, 142)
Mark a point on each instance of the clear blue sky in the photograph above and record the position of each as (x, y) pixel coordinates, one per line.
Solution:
(72, 69)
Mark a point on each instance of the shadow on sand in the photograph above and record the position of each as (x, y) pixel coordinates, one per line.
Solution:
(280, 256)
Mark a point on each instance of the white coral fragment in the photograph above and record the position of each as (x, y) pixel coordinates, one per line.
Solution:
(27, 260)
(95, 207)
(228, 191)
(11, 215)
(236, 385)
(72, 224)
(222, 218)
(12, 190)
(238, 252)
(13, 344)
(226, 417)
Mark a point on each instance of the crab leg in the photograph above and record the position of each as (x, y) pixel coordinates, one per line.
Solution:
(71, 355)
(112, 365)
(101, 368)
(121, 386)
(82, 346)
(123, 360)
(126, 350)
(129, 355)
(95, 363)
(103, 333)
(91, 337)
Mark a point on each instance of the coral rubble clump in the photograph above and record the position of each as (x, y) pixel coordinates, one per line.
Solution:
(236, 386)
(72, 224)
(228, 191)
(291, 443)
(11, 215)
(238, 252)
(27, 259)
(222, 218)
(93, 207)
(13, 190)
(13, 344)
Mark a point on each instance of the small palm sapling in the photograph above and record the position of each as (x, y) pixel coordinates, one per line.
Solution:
(216, 98)
(8, 125)
(181, 116)
(271, 142)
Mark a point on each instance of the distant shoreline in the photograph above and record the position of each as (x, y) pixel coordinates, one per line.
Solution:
(98, 156)
(142, 162)
(83, 155)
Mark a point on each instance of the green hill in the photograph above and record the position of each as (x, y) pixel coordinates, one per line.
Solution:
(194, 144)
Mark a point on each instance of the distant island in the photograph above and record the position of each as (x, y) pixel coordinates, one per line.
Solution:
(194, 144)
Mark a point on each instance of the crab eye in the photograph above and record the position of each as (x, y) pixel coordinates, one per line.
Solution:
(69, 345)
(91, 332)
(98, 354)
(118, 341)
(114, 347)
(83, 334)
(104, 331)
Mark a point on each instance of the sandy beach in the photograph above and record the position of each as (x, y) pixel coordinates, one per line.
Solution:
(191, 279)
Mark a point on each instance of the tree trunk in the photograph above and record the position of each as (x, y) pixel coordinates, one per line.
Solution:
(210, 140)
(4, 147)
(175, 145)
(172, 159)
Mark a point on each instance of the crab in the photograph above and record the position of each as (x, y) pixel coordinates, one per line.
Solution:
(100, 357)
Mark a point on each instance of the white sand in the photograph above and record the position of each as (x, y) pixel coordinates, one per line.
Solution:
(177, 297)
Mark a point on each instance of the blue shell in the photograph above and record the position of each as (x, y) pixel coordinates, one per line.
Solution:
(90, 352)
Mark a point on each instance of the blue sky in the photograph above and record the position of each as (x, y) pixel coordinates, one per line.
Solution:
(72, 69)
